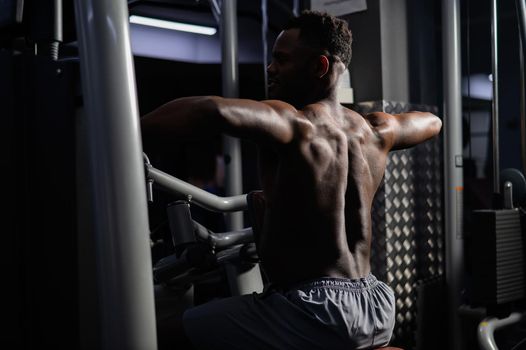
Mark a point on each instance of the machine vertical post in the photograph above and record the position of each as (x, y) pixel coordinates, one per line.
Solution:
(453, 165)
(521, 17)
(495, 101)
(241, 282)
(124, 281)
(230, 83)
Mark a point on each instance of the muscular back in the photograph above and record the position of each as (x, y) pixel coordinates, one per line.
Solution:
(320, 168)
(319, 190)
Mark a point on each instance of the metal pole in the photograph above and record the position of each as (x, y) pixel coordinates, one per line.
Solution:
(495, 100)
(241, 282)
(124, 271)
(296, 8)
(521, 16)
(232, 147)
(197, 195)
(488, 326)
(522, 43)
(264, 43)
(453, 176)
(46, 26)
(214, 6)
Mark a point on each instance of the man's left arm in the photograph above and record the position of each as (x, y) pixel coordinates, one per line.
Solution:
(399, 131)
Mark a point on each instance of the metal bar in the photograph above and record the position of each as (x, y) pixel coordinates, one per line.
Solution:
(296, 8)
(453, 165)
(198, 196)
(58, 20)
(216, 10)
(19, 11)
(264, 43)
(235, 253)
(46, 28)
(223, 240)
(122, 250)
(241, 281)
(523, 105)
(489, 325)
(229, 48)
(495, 100)
(521, 16)
(229, 66)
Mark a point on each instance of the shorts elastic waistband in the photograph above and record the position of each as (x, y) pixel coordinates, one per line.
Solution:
(368, 281)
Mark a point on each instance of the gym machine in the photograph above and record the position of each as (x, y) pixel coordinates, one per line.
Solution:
(498, 276)
(196, 248)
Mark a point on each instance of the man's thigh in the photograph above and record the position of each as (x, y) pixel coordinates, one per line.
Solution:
(258, 321)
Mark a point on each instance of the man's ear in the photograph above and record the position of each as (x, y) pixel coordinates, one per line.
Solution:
(322, 66)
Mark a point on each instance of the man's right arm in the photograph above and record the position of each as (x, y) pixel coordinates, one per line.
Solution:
(399, 131)
(268, 122)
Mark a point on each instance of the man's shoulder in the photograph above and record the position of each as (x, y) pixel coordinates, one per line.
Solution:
(280, 105)
(350, 113)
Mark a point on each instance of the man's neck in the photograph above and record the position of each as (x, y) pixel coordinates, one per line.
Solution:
(327, 96)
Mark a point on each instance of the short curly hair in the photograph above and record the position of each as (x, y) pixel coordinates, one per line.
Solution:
(323, 31)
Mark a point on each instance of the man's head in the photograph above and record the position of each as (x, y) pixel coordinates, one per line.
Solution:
(308, 57)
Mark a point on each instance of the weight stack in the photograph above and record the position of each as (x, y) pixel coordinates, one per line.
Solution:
(497, 257)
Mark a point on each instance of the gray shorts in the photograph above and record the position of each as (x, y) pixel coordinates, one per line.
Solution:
(327, 313)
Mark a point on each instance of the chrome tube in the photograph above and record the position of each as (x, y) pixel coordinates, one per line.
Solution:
(230, 77)
(296, 8)
(196, 195)
(264, 43)
(240, 281)
(122, 256)
(495, 99)
(489, 325)
(521, 16)
(216, 10)
(453, 176)
(221, 240)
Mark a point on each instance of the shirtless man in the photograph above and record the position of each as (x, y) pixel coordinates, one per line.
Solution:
(320, 166)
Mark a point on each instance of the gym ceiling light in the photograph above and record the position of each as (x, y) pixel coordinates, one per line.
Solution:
(183, 27)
